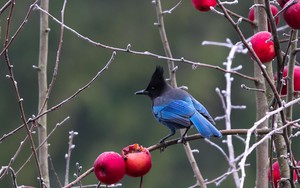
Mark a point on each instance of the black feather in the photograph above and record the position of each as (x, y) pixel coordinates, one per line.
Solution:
(157, 83)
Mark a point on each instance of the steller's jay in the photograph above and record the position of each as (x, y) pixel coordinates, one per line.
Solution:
(176, 108)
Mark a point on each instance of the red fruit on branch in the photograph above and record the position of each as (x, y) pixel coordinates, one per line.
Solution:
(282, 2)
(137, 159)
(263, 46)
(274, 11)
(296, 80)
(292, 14)
(204, 5)
(276, 174)
(109, 167)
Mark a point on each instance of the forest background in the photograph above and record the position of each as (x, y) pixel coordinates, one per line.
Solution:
(107, 115)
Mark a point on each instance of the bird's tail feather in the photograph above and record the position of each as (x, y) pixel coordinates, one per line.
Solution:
(204, 127)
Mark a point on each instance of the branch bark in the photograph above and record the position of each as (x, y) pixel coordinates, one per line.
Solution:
(42, 82)
(262, 153)
(173, 82)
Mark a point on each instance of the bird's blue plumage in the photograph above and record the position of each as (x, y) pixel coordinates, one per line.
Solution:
(181, 110)
(177, 109)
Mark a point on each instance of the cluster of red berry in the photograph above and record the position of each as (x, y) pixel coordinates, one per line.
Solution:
(276, 174)
(262, 43)
(110, 167)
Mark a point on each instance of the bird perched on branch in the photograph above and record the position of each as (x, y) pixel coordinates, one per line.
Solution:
(176, 108)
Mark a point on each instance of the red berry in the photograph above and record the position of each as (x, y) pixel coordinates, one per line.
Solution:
(276, 174)
(282, 2)
(292, 15)
(296, 80)
(204, 5)
(263, 46)
(109, 167)
(274, 11)
(137, 159)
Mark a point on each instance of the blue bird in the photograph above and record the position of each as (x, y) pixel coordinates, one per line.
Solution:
(176, 108)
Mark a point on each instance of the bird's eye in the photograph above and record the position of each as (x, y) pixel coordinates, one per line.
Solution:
(152, 88)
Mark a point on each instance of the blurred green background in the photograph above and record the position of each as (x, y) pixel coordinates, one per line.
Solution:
(107, 115)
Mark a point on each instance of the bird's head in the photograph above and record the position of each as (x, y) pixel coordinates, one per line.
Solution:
(156, 85)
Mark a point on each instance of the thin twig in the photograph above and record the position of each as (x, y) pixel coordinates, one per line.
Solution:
(79, 90)
(79, 178)
(176, 141)
(219, 179)
(53, 108)
(54, 171)
(173, 8)
(15, 155)
(198, 136)
(218, 148)
(244, 41)
(25, 21)
(239, 16)
(227, 110)
(253, 128)
(3, 171)
(145, 53)
(55, 71)
(53, 130)
(5, 6)
(243, 86)
(171, 66)
(72, 134)
(17, 93)
(290, 97)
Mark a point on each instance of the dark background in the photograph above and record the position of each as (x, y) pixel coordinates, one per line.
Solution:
(107, 115)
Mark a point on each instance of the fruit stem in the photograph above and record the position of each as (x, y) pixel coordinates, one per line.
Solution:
(141, 181)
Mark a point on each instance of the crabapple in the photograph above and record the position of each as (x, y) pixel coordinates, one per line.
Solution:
(109, 167)
(274, 11)
(276, 174)
(204, 5)
(282, 2)
(263, 46)
(137, 159)
(296, 80)
(291, 15)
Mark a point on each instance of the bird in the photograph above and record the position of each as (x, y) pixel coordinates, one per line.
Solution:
(177, 109)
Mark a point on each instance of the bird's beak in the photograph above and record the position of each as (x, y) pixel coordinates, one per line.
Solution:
(142, 92)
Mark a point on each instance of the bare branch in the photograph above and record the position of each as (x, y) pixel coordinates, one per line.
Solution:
(145, 53)
(72, 134)
(18, 96)
(79, 178)
(3, 171)
(198, 136)
(55, 173)
(172, 68)
(53, 130)
(173, 8)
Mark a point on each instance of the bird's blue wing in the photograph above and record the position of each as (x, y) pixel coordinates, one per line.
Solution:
(184, 113)
(202, 110)
(203, 121)
(204, 127)
(176, 113)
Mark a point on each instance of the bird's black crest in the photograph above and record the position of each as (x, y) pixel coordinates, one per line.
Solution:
(157, 83)
(158, 75)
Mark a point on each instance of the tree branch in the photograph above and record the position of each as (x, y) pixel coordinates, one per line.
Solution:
(42, 83)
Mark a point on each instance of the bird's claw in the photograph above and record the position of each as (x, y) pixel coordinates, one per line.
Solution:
(163, 146)
(182, 140)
